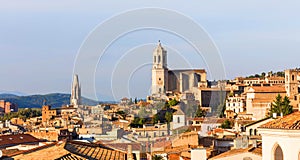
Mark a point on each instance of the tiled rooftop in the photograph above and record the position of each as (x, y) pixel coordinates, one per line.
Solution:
(291, 121)
(254, 150)
(268, 89)
(93, 151)
(10, 140)
(124, 146)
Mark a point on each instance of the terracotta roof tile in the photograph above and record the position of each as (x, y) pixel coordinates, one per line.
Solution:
(10, 140)
(254, 150)
(291, 121)
(268, 89)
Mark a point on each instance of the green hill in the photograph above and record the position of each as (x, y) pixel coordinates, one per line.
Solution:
(36, 101)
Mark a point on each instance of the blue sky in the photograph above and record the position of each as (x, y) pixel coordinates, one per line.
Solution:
(39, 41)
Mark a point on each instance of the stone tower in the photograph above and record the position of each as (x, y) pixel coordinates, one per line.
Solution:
(159, 70)
(291, 82)
(76, 92)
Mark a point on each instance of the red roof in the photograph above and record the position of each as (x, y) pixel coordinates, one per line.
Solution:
(11, 140)
(291, 121)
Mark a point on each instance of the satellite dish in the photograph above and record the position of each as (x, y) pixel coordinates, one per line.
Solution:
(1, 154)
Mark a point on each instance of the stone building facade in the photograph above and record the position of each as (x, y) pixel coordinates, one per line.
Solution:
(165, 80)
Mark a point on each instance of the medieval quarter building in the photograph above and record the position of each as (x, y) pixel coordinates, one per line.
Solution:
(165, 80)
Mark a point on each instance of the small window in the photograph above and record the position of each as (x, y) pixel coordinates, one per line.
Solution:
(178, 119)
(293, 77)
(295, 98)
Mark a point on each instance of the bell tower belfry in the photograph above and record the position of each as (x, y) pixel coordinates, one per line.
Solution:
(159, 70)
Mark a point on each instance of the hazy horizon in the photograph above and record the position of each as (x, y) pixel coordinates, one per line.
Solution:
(39, 42)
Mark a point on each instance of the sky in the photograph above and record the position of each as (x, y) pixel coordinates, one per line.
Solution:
(40, 42)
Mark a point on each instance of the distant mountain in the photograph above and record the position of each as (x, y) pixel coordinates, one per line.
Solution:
(36, 101)
(17, 93)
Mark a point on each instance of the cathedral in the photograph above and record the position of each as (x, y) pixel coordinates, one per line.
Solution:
(75, 99)
(171, 81)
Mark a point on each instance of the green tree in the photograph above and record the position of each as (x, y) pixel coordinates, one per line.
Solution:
(130, 101)
(142, 112)
(226, 124)
(157, 157)
(168, 117)
(173, 102)
(135, 100)
(280, 74)
(122, 114)
(200, 112)
(155, 119)
(287, 108)
(263, 75)
(280, 105)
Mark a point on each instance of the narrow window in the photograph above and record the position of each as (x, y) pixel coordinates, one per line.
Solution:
(278, 154)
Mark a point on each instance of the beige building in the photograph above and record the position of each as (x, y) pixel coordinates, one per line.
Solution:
(48, 113)
(259, 99)
(7, 107)
(281, 138)
(236, 104)
(273, 80)
(292, 84)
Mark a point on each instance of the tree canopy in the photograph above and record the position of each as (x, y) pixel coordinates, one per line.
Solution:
(281, 105)
(226, 124)
(173, 102)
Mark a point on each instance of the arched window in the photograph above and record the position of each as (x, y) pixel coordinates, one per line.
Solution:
(250, 132)
(255, 131)
(293, 77)
(178, 119)
(277, 153)
(158, 59)
(154, 59)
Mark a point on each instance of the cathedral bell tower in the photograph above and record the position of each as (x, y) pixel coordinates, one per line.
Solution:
(159, 70)
(75, 99)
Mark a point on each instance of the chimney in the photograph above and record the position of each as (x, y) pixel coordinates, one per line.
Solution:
(274, 115)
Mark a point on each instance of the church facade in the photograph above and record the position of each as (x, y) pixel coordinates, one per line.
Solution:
(165, 80)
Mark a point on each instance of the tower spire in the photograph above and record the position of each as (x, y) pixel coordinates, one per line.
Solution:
(75, 92)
